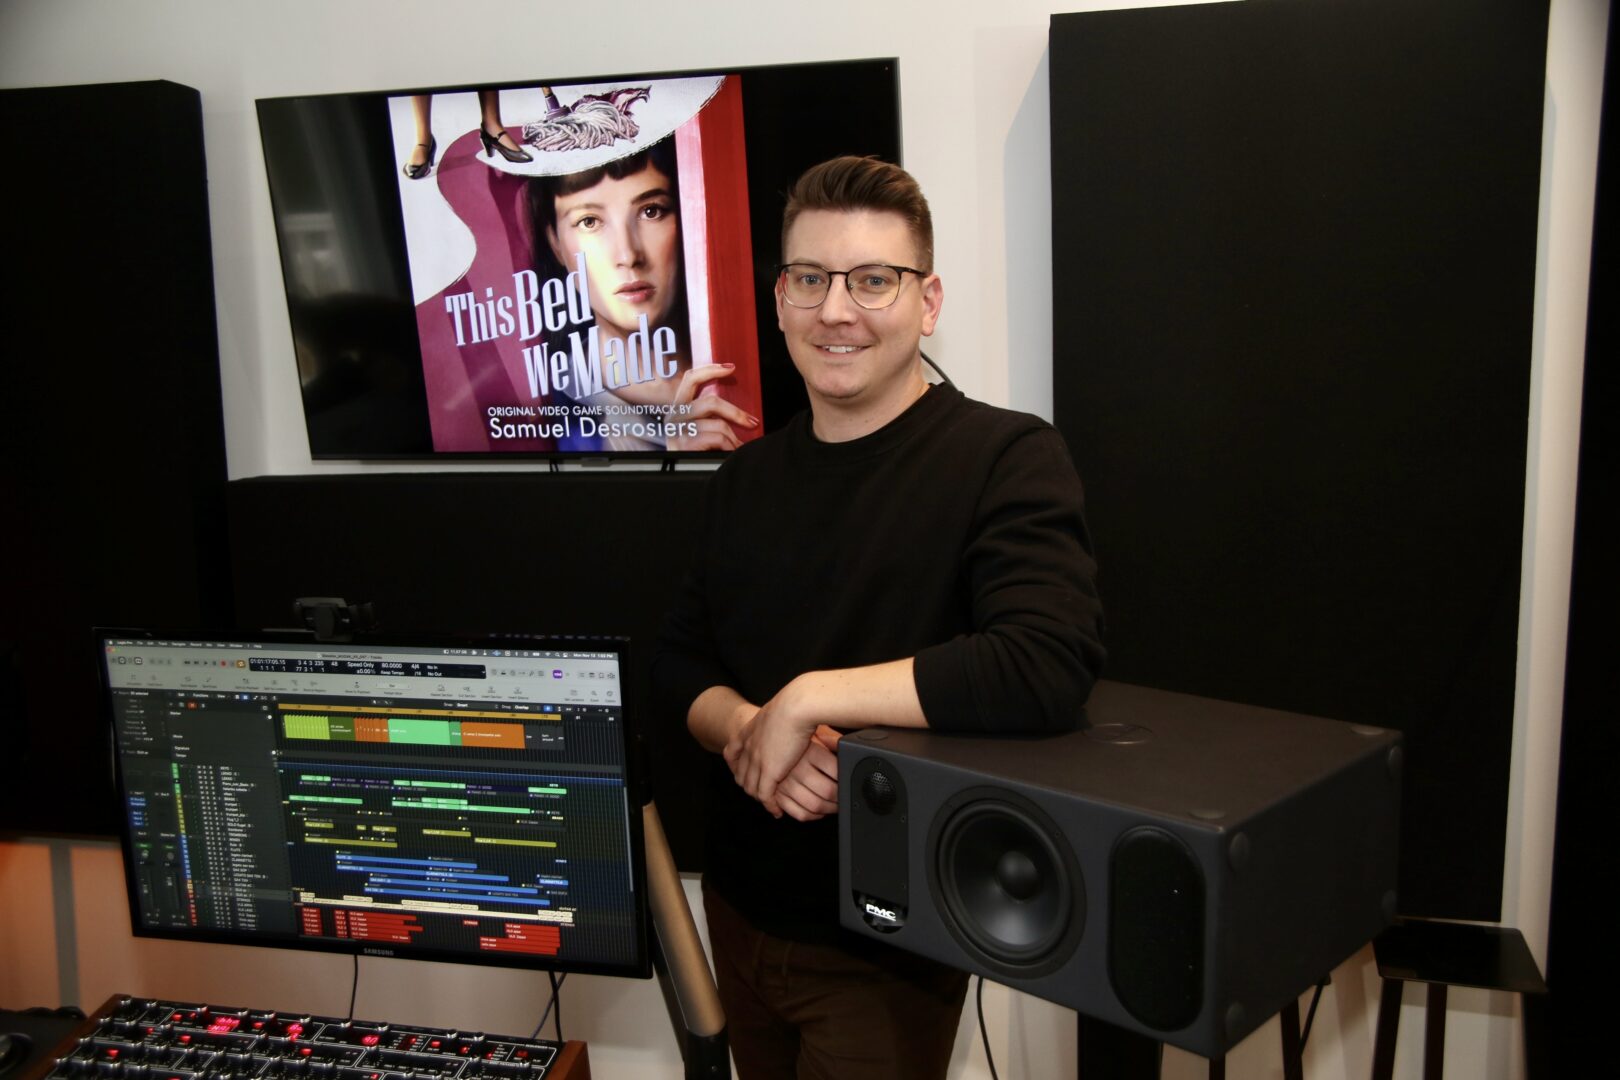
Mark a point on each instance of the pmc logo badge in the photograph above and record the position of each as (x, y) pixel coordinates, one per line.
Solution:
(879, 916)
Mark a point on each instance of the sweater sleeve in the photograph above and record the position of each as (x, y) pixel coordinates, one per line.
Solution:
(1035, 649)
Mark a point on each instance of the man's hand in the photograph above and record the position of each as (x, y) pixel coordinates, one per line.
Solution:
(717, 715)
(809, 792)
(764, 746)
(767, 747)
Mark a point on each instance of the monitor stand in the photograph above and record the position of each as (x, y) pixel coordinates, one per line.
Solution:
(680, 962)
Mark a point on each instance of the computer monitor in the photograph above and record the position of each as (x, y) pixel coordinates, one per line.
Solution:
(422, 797)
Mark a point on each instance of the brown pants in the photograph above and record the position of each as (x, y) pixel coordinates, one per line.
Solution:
(815, 1012)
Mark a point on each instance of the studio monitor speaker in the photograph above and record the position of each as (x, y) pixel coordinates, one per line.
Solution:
(1180, 867)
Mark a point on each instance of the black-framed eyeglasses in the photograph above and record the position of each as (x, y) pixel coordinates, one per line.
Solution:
(874, 287)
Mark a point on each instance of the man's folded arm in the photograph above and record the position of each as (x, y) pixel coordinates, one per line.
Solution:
(1035, 650)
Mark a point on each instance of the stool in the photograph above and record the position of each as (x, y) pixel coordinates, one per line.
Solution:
(1446, 954)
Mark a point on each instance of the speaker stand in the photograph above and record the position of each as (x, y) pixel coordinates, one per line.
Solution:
(1106, 1051)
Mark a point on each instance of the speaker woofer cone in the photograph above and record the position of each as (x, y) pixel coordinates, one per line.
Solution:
(1006, 881)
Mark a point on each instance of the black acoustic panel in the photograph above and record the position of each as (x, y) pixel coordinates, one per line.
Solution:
(512, 552)
(114, 476)
(1182, 868)
(1294, 255)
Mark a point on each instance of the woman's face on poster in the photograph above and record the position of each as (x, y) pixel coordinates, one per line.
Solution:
(629, 232)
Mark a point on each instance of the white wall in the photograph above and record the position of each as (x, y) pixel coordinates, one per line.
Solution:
(975, 126)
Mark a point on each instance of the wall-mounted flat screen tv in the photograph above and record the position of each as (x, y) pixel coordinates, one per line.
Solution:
(568, 267)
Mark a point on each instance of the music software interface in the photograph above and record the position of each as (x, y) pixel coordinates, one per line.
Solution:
(463, 801)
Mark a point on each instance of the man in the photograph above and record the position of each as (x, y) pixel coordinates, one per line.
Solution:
(898, 556)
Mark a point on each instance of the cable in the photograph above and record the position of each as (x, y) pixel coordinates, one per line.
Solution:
(929, 360)
(556, 999)
(354, 985)
(984, 1036)
(556, 986)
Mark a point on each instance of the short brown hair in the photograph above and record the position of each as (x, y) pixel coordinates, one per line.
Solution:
(864, 183)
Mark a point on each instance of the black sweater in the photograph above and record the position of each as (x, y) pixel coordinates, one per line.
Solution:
(954, 535)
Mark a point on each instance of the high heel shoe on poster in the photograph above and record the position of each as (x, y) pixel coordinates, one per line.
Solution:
(417, 171)
(492, 144)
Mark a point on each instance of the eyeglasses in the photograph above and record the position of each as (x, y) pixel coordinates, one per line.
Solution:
(874, 287)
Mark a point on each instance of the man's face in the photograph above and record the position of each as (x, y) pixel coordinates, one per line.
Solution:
(850, 356)
(630, 235)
